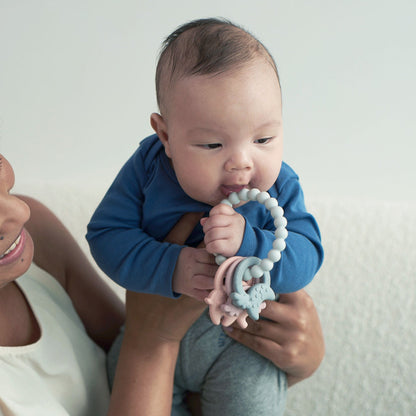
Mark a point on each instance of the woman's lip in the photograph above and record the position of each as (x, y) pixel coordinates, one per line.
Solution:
(16, 253)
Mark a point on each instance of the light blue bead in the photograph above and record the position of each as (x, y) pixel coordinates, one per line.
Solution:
(252, 194)
(243, 194)
(233, 198)
(266, 264)
(270, 203)
(219, 259)
(280, 222)
(281, 232)
(256, 271)
(227, 202)
(262, 197)
(274, 255)
(277, 212)
(279, 244)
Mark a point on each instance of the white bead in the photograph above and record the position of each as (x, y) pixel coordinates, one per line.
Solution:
(226, 202)
(219, 259)
(233, 198)
(277, 212)
(252, 193)
(266, 265)
(281, 232)
(270, 203)
(243, 194)
(280, 222)
(274, 255)
(256, 271)
(262, 197)
(279, 244)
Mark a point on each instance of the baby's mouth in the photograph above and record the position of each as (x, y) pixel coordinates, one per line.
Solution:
(12, 247)
(228, 189)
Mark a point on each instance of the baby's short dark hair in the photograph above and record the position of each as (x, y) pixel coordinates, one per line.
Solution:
(204, 47)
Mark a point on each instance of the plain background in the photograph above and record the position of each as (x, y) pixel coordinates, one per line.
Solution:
(77, 86)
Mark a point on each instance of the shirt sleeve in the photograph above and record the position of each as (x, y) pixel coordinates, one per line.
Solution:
(303, 254)
(121, 248)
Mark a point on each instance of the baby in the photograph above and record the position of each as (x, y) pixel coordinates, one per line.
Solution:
(219, 131)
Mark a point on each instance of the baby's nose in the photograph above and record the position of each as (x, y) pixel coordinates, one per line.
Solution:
(238, 161)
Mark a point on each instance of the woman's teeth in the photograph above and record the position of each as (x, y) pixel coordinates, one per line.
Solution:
(12, 247)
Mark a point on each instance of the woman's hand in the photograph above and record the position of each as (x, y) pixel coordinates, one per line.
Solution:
(159, 318)
(291, 337)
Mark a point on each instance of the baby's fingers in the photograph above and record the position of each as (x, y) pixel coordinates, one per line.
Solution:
(216, 221)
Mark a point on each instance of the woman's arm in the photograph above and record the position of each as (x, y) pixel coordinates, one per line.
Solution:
(155, 325)
(57, 252)
(291, 337)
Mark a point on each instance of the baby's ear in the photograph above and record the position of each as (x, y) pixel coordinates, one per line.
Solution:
(159, 126)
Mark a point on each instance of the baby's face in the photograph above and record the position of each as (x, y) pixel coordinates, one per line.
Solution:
(224, 132)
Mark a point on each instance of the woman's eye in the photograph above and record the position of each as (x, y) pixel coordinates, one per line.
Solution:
(264, 140)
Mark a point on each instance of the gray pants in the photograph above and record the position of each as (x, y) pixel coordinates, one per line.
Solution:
(231, 378)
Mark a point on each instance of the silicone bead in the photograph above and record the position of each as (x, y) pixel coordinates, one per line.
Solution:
(279, 244)
(280, 232)
(227, 202)
(233, 198)
(270, 203)
(276, 212)
(280, 222)
(243, 194)
(262, 197)
(257, 272)
(274, 255)
(252, 194)
(267, 264)
(219, 259)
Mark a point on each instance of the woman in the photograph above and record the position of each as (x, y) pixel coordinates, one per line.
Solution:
(57, 316)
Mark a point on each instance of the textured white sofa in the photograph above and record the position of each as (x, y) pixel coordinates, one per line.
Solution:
(365, 294)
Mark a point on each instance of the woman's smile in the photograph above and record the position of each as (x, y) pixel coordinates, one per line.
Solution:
(15, 250)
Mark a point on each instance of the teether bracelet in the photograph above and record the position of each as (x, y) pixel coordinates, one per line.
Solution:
(280, 233)
(242, 284)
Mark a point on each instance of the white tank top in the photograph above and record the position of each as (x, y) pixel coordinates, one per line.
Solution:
(63, 373)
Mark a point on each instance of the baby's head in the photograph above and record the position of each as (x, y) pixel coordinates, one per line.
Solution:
(205, 47)
(218, 93)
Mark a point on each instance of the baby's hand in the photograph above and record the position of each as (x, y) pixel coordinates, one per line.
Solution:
(224, 230)
(194, 273)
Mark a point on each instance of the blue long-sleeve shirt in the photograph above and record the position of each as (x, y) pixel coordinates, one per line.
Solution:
(144, 203)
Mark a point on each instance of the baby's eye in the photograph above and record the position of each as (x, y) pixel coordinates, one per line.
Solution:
(264, 140)
(211, 146)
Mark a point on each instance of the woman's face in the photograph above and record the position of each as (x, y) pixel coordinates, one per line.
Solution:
(16, 245)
